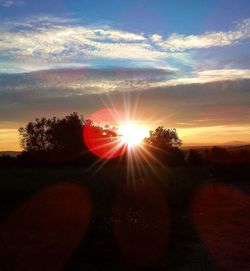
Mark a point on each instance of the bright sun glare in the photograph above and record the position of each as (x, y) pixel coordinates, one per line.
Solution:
(132, 134)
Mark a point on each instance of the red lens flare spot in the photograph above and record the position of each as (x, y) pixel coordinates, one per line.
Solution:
(104, 142)
(141, 223)
(221, 215)
(43, 233)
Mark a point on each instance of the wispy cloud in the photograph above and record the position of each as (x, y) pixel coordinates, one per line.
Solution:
(10, 3)
(88, 81)
(209, 76)
(178, 42)
(58, 40)
(81, 81)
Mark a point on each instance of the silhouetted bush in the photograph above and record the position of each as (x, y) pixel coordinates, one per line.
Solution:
(7, 160)
(241, 157)
(219, 155)
(194, 158)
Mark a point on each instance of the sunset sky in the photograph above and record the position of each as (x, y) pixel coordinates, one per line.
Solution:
(182, 64)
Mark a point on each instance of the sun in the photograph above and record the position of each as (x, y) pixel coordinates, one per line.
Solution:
(132, 134)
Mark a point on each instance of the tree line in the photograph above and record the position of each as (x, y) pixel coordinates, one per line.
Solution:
(60, 140)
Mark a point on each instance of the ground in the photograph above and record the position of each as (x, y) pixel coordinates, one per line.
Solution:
(71, 218)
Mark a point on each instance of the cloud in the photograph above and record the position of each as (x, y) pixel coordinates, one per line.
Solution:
(117, 35)
(88, 81)
(209, 76)
(52, 39)
(46, 42)
(81, 81)
(85, 90)
(10, 3)
(177, 42)
(224, 74)
(156, 38)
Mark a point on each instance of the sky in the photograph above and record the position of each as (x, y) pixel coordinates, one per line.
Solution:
(183, 64)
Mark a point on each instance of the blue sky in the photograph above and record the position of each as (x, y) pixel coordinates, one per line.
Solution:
(149, 16)
(165, 34)
(59, 56)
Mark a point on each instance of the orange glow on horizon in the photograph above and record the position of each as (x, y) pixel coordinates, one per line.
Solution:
(211, 135)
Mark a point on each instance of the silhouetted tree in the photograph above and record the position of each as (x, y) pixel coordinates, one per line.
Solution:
(164, 138)
(163, 143)
(53, 136)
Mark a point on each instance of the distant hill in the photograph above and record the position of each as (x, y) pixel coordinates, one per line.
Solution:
(233, 145)
(236, 143)
(10, 153)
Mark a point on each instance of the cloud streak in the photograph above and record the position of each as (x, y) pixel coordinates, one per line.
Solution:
(177, 42)
(85, 81)
(10, 3)
(209, 76)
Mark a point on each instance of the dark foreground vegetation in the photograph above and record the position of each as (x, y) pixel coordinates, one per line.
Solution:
(180, 210)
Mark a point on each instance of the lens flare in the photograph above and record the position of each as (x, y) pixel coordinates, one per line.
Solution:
(104, 143)
(220, 214)
(32, 237)
(112, 142)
